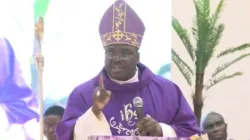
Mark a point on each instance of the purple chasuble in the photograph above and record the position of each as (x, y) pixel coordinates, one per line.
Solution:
(163, 100)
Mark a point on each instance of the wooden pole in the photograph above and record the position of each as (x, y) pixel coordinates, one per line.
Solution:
(39, 30)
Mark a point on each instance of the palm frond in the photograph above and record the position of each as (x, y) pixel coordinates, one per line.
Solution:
(186, 71)
(214, 81)
(228, 64)
(176, 57)
(217, 13)
(183, 35)
(202, 8)
(201, 23)
(201, 32)
(234, 49)
(213, 41)
(214, 34)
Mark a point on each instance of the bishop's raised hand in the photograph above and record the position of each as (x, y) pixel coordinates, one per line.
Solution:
(101, 97)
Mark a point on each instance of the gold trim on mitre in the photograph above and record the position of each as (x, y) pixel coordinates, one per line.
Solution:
(119, 34)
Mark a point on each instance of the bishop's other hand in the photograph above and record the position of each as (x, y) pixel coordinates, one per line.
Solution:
(149, 127)
(101, 97)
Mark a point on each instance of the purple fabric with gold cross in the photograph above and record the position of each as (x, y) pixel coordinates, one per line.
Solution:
(121, 25)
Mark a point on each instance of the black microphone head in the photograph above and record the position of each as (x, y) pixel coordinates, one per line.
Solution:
(138, 102)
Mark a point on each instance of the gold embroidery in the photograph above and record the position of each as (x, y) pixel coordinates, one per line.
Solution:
(128, 116)
(119, 34)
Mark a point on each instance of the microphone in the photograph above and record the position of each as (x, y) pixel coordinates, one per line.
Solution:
(138, 104)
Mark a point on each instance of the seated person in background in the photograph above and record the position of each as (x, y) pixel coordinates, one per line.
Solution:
(18, 105)
(215, 126)
(168, 113)
(52, 117)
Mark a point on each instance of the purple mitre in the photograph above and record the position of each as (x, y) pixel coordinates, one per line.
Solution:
(121, 25)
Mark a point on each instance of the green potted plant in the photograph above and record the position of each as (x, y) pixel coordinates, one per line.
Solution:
(207, 32)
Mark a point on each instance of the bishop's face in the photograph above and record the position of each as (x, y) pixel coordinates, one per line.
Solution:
(215, 127)
(121, 61)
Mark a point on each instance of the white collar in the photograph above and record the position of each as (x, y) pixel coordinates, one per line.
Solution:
(135, 78)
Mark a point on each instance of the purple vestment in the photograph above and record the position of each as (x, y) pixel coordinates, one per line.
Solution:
(163, 101)
(16, 97)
